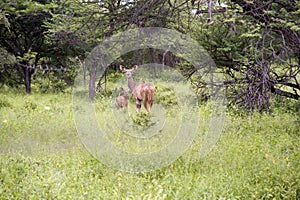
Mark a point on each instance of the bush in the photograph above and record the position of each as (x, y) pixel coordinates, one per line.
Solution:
(141, 119)
(165, 96)
(48, 83)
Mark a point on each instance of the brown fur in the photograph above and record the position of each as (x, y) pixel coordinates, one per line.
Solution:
(142, 91)
(122, 100)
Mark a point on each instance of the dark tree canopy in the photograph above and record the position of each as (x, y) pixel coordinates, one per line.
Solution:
(25, 40)
(255, 43)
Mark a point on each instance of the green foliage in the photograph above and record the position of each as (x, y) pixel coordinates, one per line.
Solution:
(4, 20)
(243, 44)
(165, 95)
(23, 39)
(49, 83)
(4, 101)
(286, 105)
(30, 105)
(28, 121)
(256, 157)
(26, 46)
(171, 75)
(6, 59)
(141, 119)
(114, 77)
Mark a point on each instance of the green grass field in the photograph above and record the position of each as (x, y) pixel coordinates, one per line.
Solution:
(42, 157)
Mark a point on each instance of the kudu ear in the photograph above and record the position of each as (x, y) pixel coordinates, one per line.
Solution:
(134, 67)
(122, 68)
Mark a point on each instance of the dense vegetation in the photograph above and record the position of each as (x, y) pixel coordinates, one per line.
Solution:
(41, 157)
(255, 46)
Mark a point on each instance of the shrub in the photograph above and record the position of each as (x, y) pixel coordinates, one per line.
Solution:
(48, 83)
(141, 119)
(165, 96)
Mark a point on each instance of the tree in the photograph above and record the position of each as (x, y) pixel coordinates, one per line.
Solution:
(92, 21)
(22, 35)
(276, 53)
(25, 35)
(256, 45)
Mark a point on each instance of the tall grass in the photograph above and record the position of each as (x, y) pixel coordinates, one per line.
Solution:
(41, 157)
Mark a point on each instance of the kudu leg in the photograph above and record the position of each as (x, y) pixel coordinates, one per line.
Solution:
(138, 105)
(150, 105)
(145, 105)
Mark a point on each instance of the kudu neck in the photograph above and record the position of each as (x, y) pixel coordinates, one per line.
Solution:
(131, 83)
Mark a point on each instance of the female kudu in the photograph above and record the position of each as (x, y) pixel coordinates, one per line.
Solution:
(141, 91)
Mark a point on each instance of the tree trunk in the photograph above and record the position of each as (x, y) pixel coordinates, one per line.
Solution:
(92, 83)
(163, 58)
(209, 10)
(153, 61)
(84, 73)
(27, 79)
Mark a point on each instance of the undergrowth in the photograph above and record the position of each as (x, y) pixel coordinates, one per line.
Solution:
(41, 157)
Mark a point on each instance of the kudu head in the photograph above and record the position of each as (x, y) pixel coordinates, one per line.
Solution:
(131, 83)
(125, 92)
(128, 72)
(123, 98)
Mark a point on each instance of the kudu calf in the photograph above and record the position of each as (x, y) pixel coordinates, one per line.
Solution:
(141, 91)
(122, 100)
